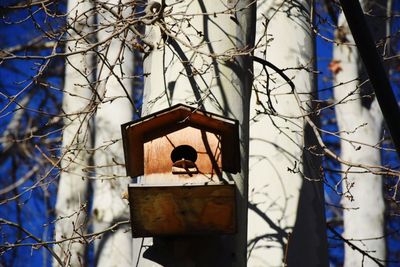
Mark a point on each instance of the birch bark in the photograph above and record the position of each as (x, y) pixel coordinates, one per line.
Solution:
(286, 203)
(200, 58)
(77, 108)
(114, 77)
(360, 129)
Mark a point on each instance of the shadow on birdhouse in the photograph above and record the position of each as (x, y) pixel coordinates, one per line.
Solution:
(181, 156)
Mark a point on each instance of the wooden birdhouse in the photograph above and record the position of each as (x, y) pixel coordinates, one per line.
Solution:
(181, 156)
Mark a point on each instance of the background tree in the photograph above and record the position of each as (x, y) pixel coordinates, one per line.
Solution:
(360, 128)
(286, 212)
(78, 108)
(114, 107)
(101, 96)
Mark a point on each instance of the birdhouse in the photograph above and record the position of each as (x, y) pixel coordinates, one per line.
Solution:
(181, 157)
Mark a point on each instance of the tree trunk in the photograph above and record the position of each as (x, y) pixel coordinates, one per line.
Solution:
(360, 128)
(114, 72)
(201, 60)
(286, 201)
(72, 187)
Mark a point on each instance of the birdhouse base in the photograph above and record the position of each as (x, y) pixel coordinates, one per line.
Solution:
(182, 209)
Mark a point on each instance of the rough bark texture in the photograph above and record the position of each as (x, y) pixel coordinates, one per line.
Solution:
(202, 61)
(72, 187)
(286, 212)
(360, 129)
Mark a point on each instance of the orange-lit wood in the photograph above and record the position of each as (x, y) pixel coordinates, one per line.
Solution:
(157, 152)
(135, 134)
(182, 210)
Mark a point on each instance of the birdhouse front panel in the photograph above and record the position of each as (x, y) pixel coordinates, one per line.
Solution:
(182, 210)
(188, 155)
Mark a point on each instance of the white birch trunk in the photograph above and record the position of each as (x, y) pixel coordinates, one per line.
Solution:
(196, 66)
(277, 166)
(73, 183)
(360, 129)
(115, 69)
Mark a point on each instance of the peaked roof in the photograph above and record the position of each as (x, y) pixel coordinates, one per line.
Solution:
(138, 132)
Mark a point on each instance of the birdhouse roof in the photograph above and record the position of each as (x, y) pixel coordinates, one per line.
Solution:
(138, 132)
